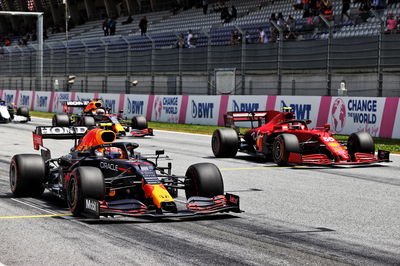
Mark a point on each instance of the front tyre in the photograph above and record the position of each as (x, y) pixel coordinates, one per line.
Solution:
(84, 182)
(27, 174)
(139, 122)
(225, 143)
(283, 145)
(204, 180)
(360, 142)
(60, 121)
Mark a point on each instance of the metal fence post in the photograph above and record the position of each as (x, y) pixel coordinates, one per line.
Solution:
(379, 61)
(279, 57)
(328, 57)
(210, 90)
(128, 67)
(105, 83)
(153, 48)
(242, 60)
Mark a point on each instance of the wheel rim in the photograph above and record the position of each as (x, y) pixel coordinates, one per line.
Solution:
(72, 192)
(215, 144)
(13, 177)
(278, 150)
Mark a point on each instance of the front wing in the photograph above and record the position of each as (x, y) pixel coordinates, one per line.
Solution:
(133, 208)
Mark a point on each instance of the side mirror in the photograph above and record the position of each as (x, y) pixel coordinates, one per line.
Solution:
(327, 126)
(160, 152)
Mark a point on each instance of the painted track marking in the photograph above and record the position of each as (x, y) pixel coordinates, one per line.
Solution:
(33, 216)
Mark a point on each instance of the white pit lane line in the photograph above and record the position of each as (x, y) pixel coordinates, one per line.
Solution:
(33, 206)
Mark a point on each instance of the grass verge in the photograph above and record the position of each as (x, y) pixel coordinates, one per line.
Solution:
(392, 145)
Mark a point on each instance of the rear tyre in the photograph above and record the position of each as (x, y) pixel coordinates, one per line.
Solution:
(23, 111)
(283, 145)
(204, 180)
(139, 122)
(84, 182)
(360, 142)
(88, 121)
(60, 121)
(27, 174)
(225, 143)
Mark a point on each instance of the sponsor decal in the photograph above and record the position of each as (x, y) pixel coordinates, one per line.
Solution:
(8, 98)
(91, 205)
(41, 101)
(59, 99)
(24, 100)
(63, 130)
(77, 103)
(338, 113)
(245, 107)
(202, 110)
(168, 106)
(109, 103)
(109, 166)
(135, 107)
(302, 111)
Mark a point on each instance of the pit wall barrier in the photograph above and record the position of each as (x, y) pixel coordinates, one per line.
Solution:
(378, 116)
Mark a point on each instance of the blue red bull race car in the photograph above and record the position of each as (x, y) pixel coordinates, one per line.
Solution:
(100, 177)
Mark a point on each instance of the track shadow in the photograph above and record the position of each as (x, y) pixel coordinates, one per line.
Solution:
(146, 220)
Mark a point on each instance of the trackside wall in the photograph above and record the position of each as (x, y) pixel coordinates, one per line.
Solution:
(378, 116)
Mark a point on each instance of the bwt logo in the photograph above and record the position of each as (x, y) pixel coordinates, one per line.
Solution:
(24, 100)
(41, 101)
(83, 99)
(202, 110)
(110, 104)
(135, 107)
(9, 98)
(245, 107)
(302, 111)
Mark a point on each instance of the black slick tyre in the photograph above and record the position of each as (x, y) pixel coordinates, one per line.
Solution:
(204, 180)
(360, 142)
(27, 174)
(23, 111)
(88, 121)
(60, 121)
(139, 122)
(84, 182)
(283, 145)
(225, 143)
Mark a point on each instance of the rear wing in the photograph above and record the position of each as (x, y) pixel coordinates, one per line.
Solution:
(43, 132)
(231, 117)
(80, 104)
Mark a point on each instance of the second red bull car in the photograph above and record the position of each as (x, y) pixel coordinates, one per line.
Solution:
(100, 177)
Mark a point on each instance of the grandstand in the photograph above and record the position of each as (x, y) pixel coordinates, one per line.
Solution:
(346, 49)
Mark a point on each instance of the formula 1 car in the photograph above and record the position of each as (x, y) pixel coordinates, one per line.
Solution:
(95, 113)
(100, 177)
(10, 113)
(289, 141)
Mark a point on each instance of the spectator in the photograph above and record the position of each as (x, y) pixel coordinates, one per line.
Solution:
(364, 10)
(345, 9)
(262, 38)
(191, 40)
(233, 12)
(180, 41)
(175, 7)
(112, 26)
(205, 6)
(291, 28)
(225, 16)
(106, 28)
(247, 37)
(129, 20)
(143, 25)
(272, 28)
(298, 5)
(391, 24)
(377, 4)
(236, 37)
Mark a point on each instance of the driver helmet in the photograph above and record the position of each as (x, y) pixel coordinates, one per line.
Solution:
(100, 111)
(113, 153)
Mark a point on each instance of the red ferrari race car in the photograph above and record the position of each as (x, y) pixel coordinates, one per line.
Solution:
(100, 177)
(95, 113)
(289, 141)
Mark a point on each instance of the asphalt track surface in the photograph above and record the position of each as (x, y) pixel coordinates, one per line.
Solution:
(293, 216)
